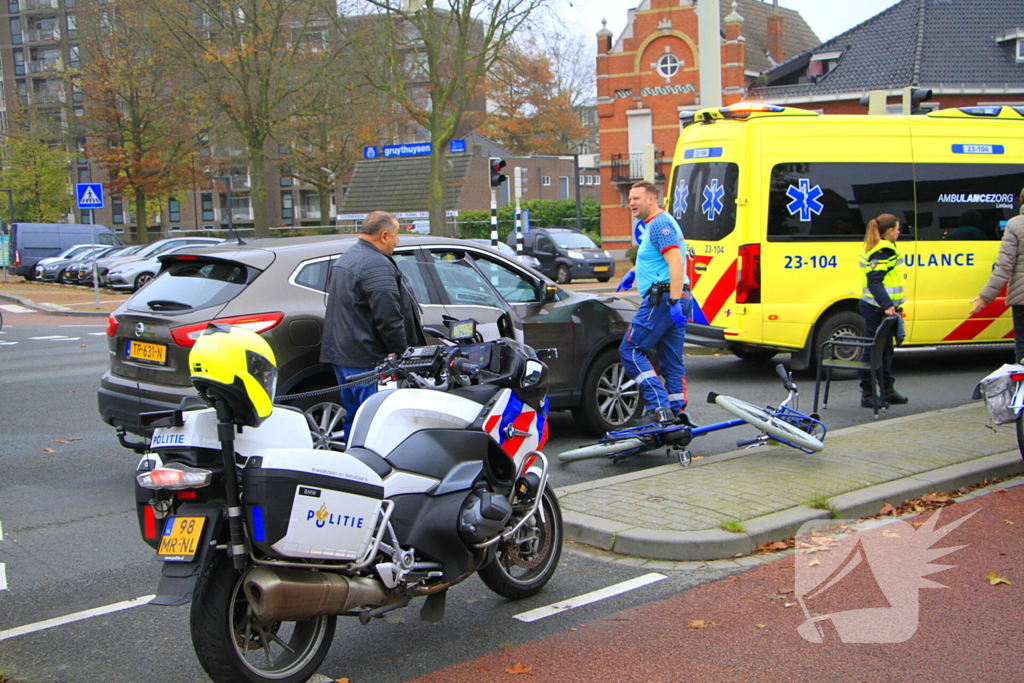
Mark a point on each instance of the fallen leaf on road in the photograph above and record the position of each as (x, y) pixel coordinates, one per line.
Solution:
(934, 496)
(889, 533)
(1008, 522)
(814, 563)
(48, 450)
(789, 604)
(340, 680)
(995, 580)
(998, 490)
(761, 625)
(74, 438)
(518, 669)
(888, 510)
(698, 623)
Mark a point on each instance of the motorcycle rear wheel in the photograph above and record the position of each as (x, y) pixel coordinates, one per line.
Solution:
(524, 564)
(233, 646)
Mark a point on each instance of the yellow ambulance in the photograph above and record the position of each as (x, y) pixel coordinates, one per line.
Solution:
(774, 202)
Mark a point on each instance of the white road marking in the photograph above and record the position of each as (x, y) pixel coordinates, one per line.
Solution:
(77, 616)
(15, 308)
(7, 343)
(3, 570)
(54, 336)
(587, 598)
(97, 334)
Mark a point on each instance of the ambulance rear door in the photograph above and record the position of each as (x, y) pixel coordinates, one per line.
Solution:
(968, 178)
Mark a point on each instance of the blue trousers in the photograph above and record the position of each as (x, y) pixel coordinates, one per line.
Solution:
(353, 397)
(652, 328)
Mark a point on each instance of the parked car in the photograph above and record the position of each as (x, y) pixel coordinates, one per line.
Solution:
(525, 258)
(158, 247)
(279, 290)
(68, 274)
(83, 273)
(31, 242)
(134, 274)
(566, 254)
(77, 250)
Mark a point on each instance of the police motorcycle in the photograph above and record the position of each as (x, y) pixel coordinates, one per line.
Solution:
(442, 478)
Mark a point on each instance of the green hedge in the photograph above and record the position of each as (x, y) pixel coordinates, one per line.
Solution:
(544, 213)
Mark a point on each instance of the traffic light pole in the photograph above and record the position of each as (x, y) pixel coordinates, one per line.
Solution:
(494, 217)
(519, 210)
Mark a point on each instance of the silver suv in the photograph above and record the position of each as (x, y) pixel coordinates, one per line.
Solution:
(277, 288)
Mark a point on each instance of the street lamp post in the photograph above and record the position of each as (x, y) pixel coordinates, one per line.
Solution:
(7, 227)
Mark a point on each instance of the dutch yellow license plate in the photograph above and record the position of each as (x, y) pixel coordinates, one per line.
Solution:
(181, 538)
(600, 269)
(149, 353)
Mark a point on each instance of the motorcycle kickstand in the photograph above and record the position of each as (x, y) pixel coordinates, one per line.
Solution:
(365, 617)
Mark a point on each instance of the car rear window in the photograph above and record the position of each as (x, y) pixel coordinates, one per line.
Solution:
(193, 284)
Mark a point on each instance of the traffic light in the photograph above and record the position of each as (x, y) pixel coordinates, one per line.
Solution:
(497, 177)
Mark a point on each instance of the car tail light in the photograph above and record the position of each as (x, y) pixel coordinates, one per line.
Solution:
(748, 277)
(260, 322)
(111, 325)
(174, 477)
(17, 257)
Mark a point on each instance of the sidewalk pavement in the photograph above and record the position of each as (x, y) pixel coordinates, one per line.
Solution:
(676, 513)
(60, 299)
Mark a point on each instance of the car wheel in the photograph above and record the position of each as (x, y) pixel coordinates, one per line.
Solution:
(610, 398)
(142, 280)
(562, 275)
(326, 420)
(604, 279)
(840, 324)
(62, 278)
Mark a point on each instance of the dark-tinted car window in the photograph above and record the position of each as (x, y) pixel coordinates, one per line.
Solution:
(703, 199)
(411, 270)
(313, 274)
(966, 201)
(193, 285)
(833, 202)
(462, 283)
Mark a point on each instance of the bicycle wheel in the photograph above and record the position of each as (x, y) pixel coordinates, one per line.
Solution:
(1020, 433)
(599, 450)
(770, 424)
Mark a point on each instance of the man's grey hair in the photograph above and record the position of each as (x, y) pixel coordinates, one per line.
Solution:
(376, 222)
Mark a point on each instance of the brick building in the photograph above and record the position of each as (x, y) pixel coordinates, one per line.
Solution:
(651, 73)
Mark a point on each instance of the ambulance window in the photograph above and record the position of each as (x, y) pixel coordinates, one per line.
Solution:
(959, 202)
(833, 202)
(703, 199)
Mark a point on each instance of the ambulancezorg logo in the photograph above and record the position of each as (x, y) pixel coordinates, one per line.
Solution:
(866, 584)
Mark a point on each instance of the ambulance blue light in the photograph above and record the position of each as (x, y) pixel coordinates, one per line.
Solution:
(982, 111)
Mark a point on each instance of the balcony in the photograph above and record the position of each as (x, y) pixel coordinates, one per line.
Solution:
(307, 212)
(629, 168)
(40, 66)
(38, 5)
(40, 35)
(48, 97)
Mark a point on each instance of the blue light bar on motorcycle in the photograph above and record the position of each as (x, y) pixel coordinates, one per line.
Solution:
(174, 477)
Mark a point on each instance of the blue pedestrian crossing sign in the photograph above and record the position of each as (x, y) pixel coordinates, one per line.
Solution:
(90, 195)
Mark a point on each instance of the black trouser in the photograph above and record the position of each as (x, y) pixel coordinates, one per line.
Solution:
(1018, 332)
(873, 317)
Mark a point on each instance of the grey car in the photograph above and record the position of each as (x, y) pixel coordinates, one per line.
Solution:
(278, 289)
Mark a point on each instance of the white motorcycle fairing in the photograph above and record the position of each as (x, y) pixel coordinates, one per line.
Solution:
(395, 415)
(285, 428)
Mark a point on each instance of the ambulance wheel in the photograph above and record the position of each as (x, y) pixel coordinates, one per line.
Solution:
(562, 275)
(840, 324)
(753, 355)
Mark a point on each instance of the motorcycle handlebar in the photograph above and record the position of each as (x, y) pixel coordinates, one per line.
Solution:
(464, 367)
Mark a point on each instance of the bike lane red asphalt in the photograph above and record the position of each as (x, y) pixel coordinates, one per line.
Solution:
(971, 630)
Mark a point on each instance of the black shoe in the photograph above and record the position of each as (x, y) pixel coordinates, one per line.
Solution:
(869, 401)
(658, 416)
(896, 398)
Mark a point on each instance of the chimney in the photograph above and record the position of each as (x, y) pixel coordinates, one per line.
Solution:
(775, 49)
(604, 38)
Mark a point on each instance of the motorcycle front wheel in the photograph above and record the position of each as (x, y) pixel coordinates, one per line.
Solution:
(234, 646)
(524, 564)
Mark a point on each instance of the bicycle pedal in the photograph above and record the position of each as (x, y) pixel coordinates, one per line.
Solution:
(684, 457)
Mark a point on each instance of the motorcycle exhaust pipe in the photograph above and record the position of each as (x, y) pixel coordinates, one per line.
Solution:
(278, 594)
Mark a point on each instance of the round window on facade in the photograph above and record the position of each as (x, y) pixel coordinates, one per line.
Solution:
(668, 65)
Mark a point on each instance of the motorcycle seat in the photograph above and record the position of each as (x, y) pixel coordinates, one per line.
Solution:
(371, 460)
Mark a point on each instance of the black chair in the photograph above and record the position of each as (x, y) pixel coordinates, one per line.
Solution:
(827, 361)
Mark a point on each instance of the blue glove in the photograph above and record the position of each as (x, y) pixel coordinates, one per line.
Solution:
(677, 313)
(627, 282)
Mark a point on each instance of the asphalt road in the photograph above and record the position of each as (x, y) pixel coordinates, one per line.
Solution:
(70, 540)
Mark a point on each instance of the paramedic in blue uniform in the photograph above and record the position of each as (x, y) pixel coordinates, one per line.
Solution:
(660, 323)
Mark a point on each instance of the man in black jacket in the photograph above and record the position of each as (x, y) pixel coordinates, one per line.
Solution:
(371, 311)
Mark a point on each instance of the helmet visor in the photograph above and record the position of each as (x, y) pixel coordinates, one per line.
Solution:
(263, 371)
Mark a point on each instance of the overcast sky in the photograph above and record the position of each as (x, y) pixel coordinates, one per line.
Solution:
(827, 18)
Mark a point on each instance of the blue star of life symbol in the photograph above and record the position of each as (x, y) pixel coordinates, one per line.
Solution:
(680, 201)
(805, 200)
(712, 205)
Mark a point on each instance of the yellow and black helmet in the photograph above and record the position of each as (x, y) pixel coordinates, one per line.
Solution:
(237, 366)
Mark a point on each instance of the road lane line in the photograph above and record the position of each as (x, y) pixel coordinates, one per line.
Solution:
(587, 598)
(7, 343)
(14, 308)
(3, 569)
(56, 336)
(77, 616)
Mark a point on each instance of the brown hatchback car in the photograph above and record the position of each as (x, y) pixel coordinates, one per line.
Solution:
(277, 288)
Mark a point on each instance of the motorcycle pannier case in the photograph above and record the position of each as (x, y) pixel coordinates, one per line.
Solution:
(311, 504)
